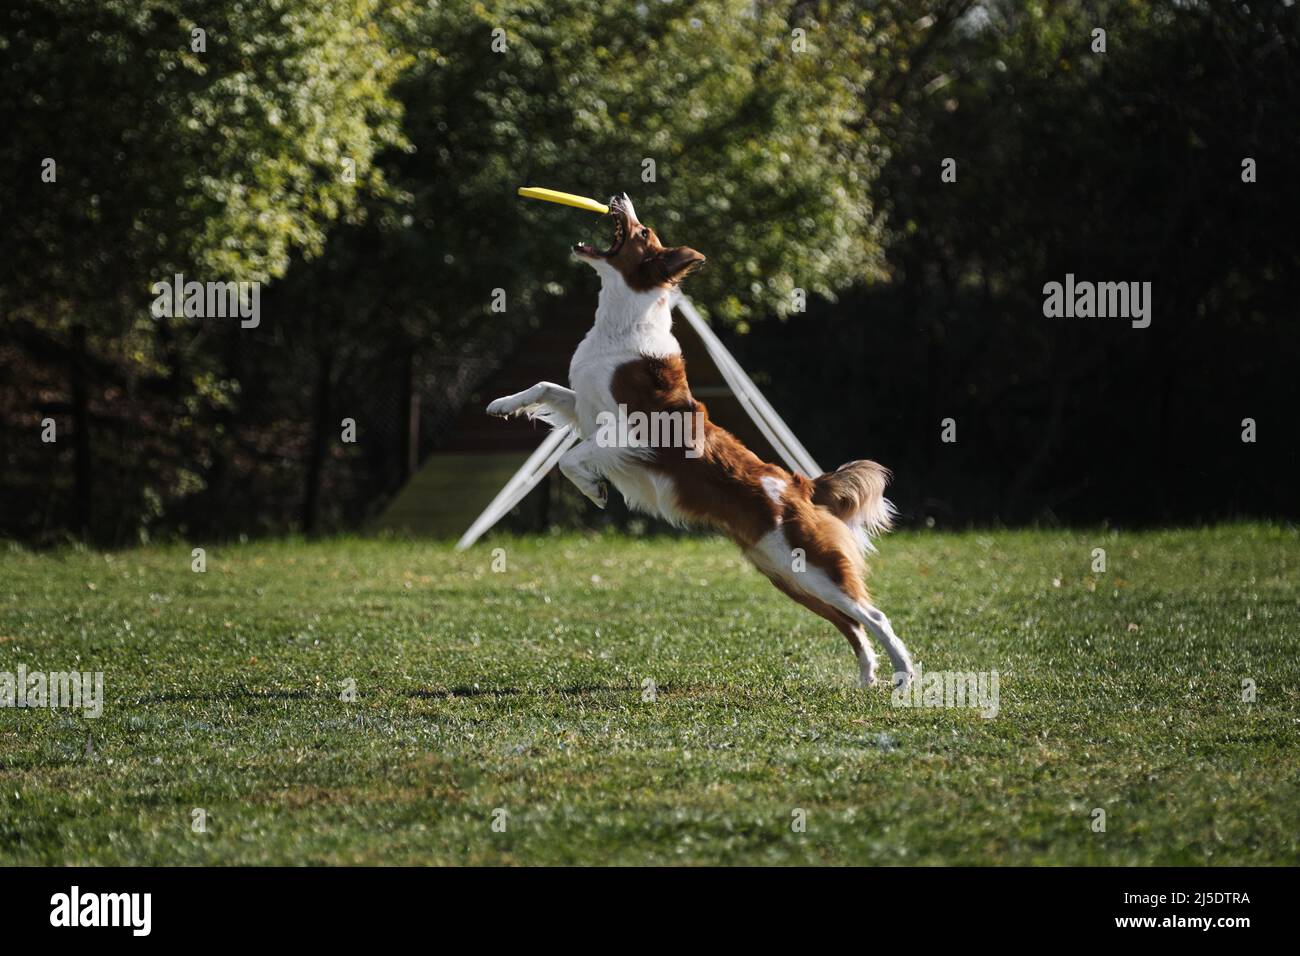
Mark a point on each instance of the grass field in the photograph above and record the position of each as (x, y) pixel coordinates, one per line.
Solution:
(524, 691)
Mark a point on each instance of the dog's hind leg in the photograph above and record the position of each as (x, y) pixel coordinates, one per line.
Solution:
(861, 613)
(553, 404)
(857, 638)
(875, 621)
(853, 632)
(831, 547)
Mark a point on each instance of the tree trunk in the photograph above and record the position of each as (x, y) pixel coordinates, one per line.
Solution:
(82, 465)
(320, 440)
(410, 419)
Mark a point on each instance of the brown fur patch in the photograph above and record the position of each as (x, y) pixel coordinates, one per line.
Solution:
(852, 631)
(722, 488)
(826, 540)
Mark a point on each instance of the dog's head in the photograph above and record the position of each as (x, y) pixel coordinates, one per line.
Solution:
(636, 254)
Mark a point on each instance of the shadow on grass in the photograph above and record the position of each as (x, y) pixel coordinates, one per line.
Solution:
(578, 691)
(449, 693)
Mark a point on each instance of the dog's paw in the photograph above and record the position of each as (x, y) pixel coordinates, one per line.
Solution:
(597, 492)
(903, 679)
(502, 407)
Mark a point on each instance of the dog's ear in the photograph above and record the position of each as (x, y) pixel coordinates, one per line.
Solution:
(676, 264)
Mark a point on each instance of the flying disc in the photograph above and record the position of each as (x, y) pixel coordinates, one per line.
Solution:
(564, 199)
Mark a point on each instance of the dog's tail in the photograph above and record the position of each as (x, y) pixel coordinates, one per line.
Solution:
(855, 493)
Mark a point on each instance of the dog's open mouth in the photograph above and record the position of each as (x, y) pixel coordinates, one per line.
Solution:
(619, 215)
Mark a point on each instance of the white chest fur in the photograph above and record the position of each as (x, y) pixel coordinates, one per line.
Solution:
(629, 325)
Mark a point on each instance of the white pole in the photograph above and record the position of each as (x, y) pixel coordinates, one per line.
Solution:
(763, 414)
(538, 465)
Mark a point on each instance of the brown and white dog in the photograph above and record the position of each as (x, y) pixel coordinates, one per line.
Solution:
(807, 536)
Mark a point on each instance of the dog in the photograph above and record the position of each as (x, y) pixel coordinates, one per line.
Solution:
(807, 536)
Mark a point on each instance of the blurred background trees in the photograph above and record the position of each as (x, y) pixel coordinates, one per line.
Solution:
(1123, 165)
(360, 159)
(145, 139)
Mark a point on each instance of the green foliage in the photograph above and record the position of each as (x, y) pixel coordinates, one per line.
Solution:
(1125, 165)
(763, 160)
(221, 162)
(796, 144)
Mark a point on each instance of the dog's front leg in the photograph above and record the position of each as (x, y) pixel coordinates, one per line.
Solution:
(553, 404)
(581, 465)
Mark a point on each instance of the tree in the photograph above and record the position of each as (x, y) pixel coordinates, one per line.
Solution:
(1123, 165)
(740, 129)
(731, 131)
(210, 140)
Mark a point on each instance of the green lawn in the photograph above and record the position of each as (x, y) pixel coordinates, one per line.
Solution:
(523, 690)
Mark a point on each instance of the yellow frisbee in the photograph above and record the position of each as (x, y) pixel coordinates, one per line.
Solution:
(564, 199)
